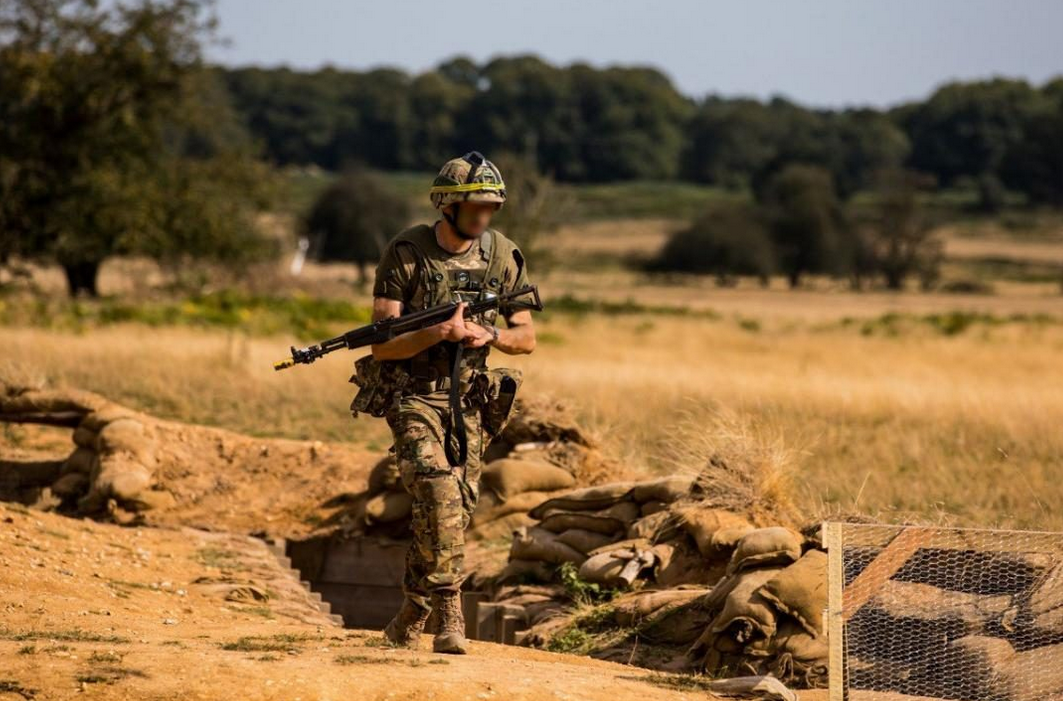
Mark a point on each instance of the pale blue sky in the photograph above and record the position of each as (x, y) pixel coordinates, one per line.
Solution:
(817, 52)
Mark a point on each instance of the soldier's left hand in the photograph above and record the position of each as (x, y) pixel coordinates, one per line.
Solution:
(478, 335)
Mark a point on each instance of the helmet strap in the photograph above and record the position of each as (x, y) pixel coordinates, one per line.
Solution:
(453, 221)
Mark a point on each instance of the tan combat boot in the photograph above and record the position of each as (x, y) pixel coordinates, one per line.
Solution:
(450, 636)
(405, 628)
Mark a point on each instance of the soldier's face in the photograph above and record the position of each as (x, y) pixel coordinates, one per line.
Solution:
(473, 218)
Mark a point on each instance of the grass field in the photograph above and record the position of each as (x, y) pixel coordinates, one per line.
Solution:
(905, 405)
(905, 415)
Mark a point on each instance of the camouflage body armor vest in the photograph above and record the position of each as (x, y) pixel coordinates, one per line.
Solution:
(435, 283)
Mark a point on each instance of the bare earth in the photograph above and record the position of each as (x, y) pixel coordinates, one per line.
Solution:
(98, 611)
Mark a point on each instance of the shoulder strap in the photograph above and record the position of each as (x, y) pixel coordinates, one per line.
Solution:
(502, 248)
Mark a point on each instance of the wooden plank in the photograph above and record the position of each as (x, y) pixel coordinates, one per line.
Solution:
(885, 565)
(470, 605)
(835, 624)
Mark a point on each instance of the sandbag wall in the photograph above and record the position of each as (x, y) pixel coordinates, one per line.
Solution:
(714, 592)
(113, 462)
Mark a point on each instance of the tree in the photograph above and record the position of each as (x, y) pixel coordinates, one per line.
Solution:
(727, 240)
(104, 110)
(808, 231)
(354, 218)
(966, 130)
(899, 236)
(1034, 164)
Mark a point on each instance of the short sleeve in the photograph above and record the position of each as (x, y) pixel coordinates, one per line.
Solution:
(392, 274)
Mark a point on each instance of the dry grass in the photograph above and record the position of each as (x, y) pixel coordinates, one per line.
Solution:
(919, 425)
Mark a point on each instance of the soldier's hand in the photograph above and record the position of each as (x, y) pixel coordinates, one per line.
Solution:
(478, 335)
(454, 329)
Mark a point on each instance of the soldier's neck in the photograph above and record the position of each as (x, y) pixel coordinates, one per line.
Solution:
(448, 239)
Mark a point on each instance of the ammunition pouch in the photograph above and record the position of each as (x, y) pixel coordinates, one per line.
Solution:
(495, 390)
(380, 384)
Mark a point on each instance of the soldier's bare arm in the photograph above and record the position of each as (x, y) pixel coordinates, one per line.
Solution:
(411, 343)
(517, 339)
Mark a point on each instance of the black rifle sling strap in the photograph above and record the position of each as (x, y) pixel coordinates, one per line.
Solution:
(456, 423)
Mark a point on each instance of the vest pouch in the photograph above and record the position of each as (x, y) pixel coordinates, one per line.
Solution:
(379, 383)
(496, 391)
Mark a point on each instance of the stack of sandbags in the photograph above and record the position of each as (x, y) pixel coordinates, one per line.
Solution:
(609, 531)
(768, 612)
(509, 488)
(113, 462)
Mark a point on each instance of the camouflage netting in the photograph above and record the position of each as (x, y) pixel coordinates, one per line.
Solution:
(672, 574)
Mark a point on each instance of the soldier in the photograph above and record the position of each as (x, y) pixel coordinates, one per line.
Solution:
(440, 434)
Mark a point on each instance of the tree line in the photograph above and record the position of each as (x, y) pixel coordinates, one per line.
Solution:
(584, 124)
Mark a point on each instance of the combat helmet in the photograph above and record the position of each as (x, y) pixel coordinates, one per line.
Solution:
(471, 178)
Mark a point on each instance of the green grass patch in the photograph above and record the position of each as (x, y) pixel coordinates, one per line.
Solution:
(10, 686)
(282, 642)
(74, 635)
(306, 317)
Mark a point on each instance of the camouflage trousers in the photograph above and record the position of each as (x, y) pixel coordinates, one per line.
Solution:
(444, 497)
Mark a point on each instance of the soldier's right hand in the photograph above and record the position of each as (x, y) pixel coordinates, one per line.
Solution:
(453, 329)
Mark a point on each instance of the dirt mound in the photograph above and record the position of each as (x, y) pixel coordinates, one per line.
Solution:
(137, 468)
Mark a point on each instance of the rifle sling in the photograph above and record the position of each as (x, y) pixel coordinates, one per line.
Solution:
(456, 423)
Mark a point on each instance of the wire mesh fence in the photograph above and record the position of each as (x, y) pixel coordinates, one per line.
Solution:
(949, 613)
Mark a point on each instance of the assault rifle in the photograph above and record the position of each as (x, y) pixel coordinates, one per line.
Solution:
(386, 329)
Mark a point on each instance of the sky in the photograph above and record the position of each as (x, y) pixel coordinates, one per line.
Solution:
(820, 53)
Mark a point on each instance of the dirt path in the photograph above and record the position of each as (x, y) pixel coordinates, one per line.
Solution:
(98, 611)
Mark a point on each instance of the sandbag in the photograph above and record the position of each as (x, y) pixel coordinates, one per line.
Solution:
(746, 615)
(655, 527)
(105, 415)
(584, 540)
(702, 523)
(525, 571)
(608, 520)
(385, 476)
(388, 507)
(912, 608)
(726, 540)
(586, 499)
(50, 401)
(651, 507)
(800, 590)
(84, 438)
(1044, 606)
(127, 436)
(630, 611)
(766, 547)
(680, 563)
(793, 639)
(542, 545)
(490, 506)
(70, 485)
(499, 528)
(972, 663)
(666, 489)
(1032, 675)
(615, 567)
(82, 461)
(509, 477)
(121, 477)
(560, 522)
